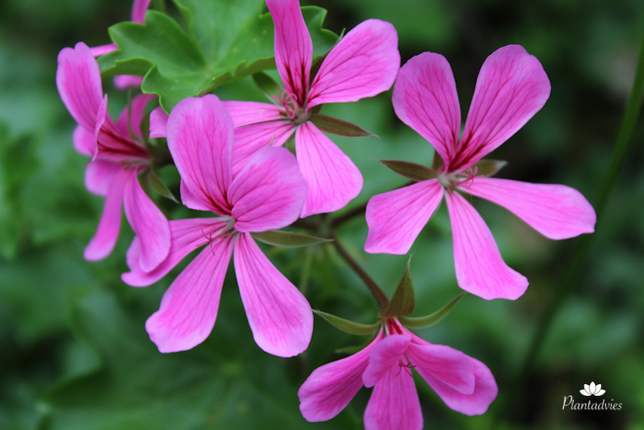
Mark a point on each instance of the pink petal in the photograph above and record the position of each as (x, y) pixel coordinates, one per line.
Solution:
(107, 233)
(425, 99)
(139, 8)
(395, 218)
(193, 201)
(189, 307)
(123, 82)
(99, 176)
(279, 315)
(158, 122)
(200, 139)
(149, 224)
(112, 143)
(480, 269)
(186, 235)
(474, 403)
(84, 141)
(250, 138)
(385, 356)
(97, 51)
(332, 177)
(245, 113)
(293, 47)
(134, 115)
(512, 86)
(452, 368)
(556, 211)
(394, 403)
(132, 258)
(364, 63)
(330, 388)
(268, 193)
(78, 79)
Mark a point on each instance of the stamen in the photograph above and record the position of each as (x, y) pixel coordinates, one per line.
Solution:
(407, 367)
(289, 102)
(222, 233)
(469, 174)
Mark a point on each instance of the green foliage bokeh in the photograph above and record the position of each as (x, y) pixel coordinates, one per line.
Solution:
(74, 351)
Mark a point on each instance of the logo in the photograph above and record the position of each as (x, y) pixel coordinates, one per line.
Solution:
(590, 405)
(592, 390)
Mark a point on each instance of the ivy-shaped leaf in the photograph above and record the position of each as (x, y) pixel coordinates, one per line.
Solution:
(225, 41)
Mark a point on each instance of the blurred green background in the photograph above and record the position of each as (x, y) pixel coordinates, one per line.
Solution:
(74, 353)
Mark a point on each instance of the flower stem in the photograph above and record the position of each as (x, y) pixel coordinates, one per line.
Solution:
(348, 215)
(375, 290)
(631, 115)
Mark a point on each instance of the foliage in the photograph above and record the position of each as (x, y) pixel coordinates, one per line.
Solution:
(75, 352)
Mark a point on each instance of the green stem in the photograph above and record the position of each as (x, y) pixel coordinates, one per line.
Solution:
(348, 215)
(629, 122)
(359, 210)
(375, 290)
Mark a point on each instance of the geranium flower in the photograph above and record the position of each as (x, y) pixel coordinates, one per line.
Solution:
(465, 384)
(267, 194)
(364, 63)
(117, 158)
(512, 86)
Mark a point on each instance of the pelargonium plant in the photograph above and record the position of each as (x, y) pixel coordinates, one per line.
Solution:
(249, 169)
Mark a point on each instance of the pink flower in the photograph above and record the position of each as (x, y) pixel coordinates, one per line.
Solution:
(510, 89)
(364, 63)
(465, 384)
(267, 194)
(117, 158)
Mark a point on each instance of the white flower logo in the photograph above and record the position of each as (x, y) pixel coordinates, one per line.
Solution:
(592, 390)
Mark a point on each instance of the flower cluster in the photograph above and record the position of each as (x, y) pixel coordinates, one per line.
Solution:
(234, 162)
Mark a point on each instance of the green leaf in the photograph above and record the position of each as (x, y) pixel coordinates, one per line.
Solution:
(288, 239)
(226, 40)
(157, 184)
(161, 42)
(268, 85)
(489, 167)
(403, 301)
(339, 127)
(414, 171)
(348, 326)
(429, 320)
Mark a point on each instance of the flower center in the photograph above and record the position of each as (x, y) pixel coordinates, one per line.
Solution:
(407, 367)
(463, 179)
(292, 109)
(216, 231)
